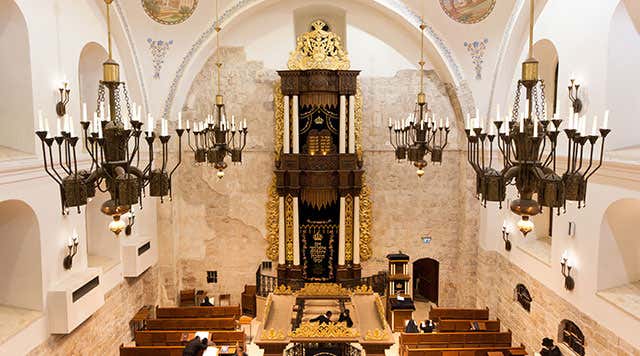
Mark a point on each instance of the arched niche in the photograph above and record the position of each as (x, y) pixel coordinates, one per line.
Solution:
(21, 266)
(523, 297)
(619, 255)
(426, 276)
(89, 74)
(103, 248)
(623, 100)
(570, 335)
(546, 53)
(16, 112)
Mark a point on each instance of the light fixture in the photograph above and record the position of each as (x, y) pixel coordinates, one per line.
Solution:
(72, 246)
(117, 225)
(131, 219)
(527, 143)
(216, 137)
(576, 103)
(567, 265)
(421, 133)
(61, 106)
(113, 144)
(505, 236)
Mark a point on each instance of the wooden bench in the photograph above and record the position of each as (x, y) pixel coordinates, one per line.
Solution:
(437, 314)
(191, 324)
(465, 325)
(198, 312)
(151, 350)
(476, 351)
(456, 340)
(176, 337)
(191, 297)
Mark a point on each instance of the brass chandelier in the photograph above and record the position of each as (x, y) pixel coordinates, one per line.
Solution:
(113, 144)
(527, 143)
(420, 134)
(216, 137)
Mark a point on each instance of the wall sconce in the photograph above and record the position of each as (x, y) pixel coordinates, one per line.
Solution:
(131, 218)
(505, 236)
(61, 106)
(72, 246)
(572, 229)
(573, 96)
(567, 265)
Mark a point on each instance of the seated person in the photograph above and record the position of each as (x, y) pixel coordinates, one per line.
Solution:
(411, 327)
(475, 326)
(346, 318)
(206, 302)
(549, 349)
(195, 346)
(240, 351)
(323, 319)
(427, 326)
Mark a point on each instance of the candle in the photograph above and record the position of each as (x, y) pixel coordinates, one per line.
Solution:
(40, 120)
(71, 131)
(84, 112)
(180, 120)
(163, 126)
(99, 131)
(521, 122)
(149, 124)
(102, 113)
(188, 128)
(233, 120)
(244, 124)
(506, 125)
(441, 123)
(535, 127)
(390, 125)
(65, 123)
(70, 242)
(46, 126)
(58, 127)
(595, 126)
(477, 114)
(605, 124)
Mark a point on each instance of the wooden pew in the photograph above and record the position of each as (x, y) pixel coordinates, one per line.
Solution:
(437, 314)
(191, 324)
(465, 325)
(151, 350)
(175, 337)
(191, 297)
(476, 351)
(198, 312)
(456, 340)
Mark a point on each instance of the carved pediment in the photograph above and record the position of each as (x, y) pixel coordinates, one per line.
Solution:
(319, 49)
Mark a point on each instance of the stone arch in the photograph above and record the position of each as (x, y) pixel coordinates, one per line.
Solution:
(90, 73)
(426, 275)
(570, 335)
(523, 297)
(546, 52)
(16, 112)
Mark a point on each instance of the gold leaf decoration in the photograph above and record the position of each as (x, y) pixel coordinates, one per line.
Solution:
(363, 289)
(273, 211)
(272, 334)
(380, 308)
(282, 290)
(376, 335)
(323, 289)
(319, 49)
(348, 228)
(288, 221)
(365, 221)
(324, 331)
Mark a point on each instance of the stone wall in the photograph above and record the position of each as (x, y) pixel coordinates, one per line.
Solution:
(105, 330)
(497, 279)
(232, 238)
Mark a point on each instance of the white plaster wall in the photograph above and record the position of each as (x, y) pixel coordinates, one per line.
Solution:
(584, 247)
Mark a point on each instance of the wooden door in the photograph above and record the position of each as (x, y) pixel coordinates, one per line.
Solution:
(426, 279)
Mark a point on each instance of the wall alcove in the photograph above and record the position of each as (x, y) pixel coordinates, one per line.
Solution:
(426, 280)
(21, 266)
(16, 112)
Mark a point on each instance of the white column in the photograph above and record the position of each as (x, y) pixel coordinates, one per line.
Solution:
(356, 230)
(296, 233)
(281, 244)
(296, 126)
(341, 235)
(286, 148)
(352, 124)
(343, 124)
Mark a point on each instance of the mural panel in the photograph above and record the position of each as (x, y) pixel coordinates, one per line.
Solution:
(468, 11)
(169, 12)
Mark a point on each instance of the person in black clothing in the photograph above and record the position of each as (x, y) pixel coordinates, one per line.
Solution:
(206, 302)
(411, 327)
(194, 346)
(346, 318)
(549, 349)
(240, 351)
(323, 319)
(427, 326)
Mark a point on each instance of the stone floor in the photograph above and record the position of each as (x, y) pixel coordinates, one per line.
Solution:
(625, 297)
(13, 319)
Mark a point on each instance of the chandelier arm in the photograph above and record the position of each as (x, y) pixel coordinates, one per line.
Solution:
(550, 156)
(490, 153)
(55, 177)
(135, 150)
(446, 139)
(149, 165)
(482, 154)
(179, 159)
(88, 146)
(599, 163)
(569, 143)
(590, 159)
(60, 156)
(544, 145)
(189, 140)
(165, 156)
(244, 140)
(575, 156)
(581, 157)
(391, 139)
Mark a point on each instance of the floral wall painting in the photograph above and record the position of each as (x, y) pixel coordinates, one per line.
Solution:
(159, 50)
(169, 12)
(468, 11)
(477, 50)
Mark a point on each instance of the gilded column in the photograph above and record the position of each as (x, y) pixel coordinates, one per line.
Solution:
(341, 232)
(356, 230)
(286, 140)
(281, 244)
(296, 233)
(352, 124)
(342, 126)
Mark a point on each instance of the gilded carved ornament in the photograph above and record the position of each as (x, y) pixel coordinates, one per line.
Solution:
(323, 289)
(319, 49)
(282, 290)
(325, 331)
(272, 334)
(363, 289)
(376, 335)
